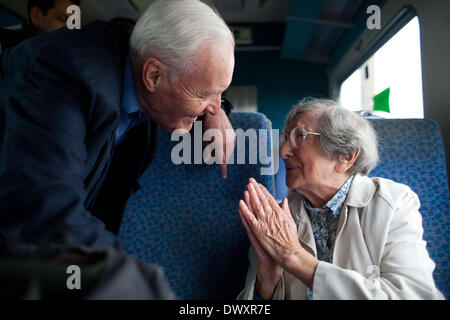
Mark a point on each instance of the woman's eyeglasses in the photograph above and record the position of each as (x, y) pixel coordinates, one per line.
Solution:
(297, 136)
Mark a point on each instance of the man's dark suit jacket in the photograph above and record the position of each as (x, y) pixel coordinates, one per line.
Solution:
(60, 96)
(11, 38)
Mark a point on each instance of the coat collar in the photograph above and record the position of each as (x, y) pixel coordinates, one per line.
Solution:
(361, 192)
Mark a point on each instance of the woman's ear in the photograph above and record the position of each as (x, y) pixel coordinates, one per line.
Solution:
(345, 162)
(152, 73)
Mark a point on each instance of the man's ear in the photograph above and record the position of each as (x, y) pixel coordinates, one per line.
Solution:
(152, 74)
(35, 17)
(345, 162)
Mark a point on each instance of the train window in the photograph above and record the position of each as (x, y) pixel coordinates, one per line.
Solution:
(391, 79)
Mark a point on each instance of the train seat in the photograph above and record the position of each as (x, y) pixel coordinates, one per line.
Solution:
(185, 218)
(411, 152)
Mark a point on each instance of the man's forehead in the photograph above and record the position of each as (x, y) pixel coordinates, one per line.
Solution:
(215, 54)
(215, 70)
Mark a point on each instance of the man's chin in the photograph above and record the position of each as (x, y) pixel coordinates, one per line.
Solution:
(180, 127)
(180, 130)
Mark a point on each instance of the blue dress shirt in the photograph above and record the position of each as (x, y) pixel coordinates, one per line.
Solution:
(130, 114)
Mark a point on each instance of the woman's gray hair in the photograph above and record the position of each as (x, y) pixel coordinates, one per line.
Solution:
(172, 31)
(343, 132)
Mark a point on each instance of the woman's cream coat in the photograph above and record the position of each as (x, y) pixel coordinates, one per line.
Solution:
(379, 252)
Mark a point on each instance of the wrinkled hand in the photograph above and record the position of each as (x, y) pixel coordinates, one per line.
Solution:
(225, 146)
(272, 225)
(274, 229)
(268, 272)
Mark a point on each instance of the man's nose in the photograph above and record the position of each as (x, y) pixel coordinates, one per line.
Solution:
(214, 105)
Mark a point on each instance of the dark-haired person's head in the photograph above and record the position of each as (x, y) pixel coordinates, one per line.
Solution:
(49, 15)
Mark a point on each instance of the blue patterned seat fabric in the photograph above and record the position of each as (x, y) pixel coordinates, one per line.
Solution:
(185, 219)
(412, 152)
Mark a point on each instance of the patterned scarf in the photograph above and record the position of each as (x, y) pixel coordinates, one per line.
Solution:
(324, 222)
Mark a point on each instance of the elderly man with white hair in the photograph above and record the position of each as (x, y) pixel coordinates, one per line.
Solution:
(339, 234)
(79, 111)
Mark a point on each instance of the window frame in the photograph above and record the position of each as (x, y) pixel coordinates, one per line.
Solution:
(400, 20)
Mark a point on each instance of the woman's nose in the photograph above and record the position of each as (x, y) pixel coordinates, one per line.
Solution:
(286, 149)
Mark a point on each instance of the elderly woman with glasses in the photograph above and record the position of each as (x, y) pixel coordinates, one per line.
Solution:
(339, 234)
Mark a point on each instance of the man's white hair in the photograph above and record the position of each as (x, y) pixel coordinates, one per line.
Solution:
(173, 30)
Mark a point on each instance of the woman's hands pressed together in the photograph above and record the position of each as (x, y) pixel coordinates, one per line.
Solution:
(273, 234)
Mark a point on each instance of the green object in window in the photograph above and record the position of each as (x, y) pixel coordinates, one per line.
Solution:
(381, 101)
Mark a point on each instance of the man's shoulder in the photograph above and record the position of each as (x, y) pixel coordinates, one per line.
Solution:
(92, 57)
(98, 33)
(93, 44)
(94, 41)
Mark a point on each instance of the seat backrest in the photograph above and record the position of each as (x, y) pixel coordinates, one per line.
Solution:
(185, 218)
(411, 152)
